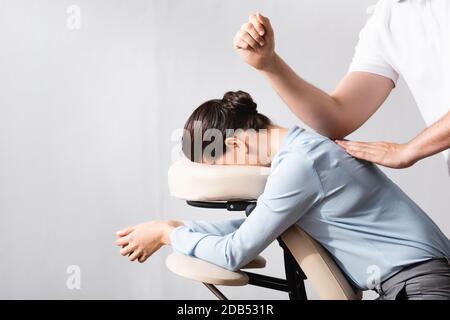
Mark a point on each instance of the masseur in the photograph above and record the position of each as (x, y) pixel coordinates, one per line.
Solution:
(408, 38)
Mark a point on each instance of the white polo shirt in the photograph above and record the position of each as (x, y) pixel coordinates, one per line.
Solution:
(410, 38)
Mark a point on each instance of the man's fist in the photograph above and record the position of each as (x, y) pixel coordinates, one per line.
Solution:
(255, 42)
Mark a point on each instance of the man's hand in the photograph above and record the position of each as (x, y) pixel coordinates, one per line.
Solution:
(255, 42)
(141, 241)
(387, 154)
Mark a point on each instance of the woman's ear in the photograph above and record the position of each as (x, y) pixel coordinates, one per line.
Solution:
(236, 144)
(237, 150)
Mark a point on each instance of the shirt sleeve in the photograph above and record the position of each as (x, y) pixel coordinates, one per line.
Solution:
(219, 228)
(292, 189)
(369, 53)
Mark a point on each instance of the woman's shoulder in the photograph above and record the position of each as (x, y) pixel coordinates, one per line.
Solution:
(303, 139)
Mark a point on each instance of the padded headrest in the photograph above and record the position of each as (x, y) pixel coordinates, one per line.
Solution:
(203, 182)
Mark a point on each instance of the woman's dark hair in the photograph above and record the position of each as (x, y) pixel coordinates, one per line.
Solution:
(236, 110)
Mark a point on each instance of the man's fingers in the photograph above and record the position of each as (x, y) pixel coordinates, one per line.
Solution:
(363, 155)
(259, 28)
(357, 144)
(241, 44)
(248, 38)
(124, 232)
(379, 152)
(251, 30)
(252, 33)
(266, 23)
(361, 148)
(262, 19)
(364, 146)
(341, 142)
(354, 143)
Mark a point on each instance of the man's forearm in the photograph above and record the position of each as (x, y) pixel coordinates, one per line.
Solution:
(432, 140)
(313, 106)
(335, 115)
(355, 99)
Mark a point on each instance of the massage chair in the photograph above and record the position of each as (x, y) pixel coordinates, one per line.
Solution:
(236, 188)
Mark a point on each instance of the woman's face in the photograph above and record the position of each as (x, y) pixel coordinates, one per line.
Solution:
(247, 147)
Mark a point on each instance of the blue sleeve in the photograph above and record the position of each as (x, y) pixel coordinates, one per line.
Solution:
(220, 228)
(292, 189)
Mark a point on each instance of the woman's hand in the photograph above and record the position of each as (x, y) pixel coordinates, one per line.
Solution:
(141, 241)
(255, 42)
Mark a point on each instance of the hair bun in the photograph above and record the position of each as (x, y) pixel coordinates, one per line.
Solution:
(239, 101)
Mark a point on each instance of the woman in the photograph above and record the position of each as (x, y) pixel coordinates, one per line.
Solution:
(360, 216)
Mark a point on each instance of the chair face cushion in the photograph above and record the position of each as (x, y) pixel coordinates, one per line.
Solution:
(202, 182)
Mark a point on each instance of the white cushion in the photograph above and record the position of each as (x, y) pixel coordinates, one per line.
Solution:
(199, 270)
(202, 182)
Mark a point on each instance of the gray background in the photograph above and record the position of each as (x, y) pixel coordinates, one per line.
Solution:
(86, 118)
